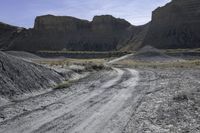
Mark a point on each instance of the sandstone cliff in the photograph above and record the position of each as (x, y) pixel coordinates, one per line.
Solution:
(176, 25)
(134, 40)
(8, 34)
(103, 33)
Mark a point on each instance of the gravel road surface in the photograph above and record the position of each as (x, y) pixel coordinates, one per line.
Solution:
(122, 100)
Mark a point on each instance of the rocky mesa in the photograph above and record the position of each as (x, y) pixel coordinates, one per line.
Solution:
(176, 25)
(8, 35)
(103, 33)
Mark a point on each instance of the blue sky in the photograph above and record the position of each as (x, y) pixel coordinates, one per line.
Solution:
(23, 12)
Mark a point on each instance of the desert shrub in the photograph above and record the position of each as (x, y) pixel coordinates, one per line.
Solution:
(180, 98)
(96, 67)
(63, 85)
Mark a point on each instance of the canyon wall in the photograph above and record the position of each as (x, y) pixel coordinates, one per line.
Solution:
(103, 33)
(176, 25)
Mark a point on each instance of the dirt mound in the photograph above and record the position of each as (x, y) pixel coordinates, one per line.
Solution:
(18, 77)
(23, 54)
(149, 53)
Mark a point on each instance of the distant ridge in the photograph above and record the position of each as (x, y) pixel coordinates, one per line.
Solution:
(103, 33)
(175, 25)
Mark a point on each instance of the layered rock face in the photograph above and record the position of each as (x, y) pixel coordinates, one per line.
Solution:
(134, 40)
(176, 25)
(8, 34)
(103, 33)
(60, 24)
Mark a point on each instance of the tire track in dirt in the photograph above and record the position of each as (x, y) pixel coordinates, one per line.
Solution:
(85, 110)
(99, 119)
(24, 124)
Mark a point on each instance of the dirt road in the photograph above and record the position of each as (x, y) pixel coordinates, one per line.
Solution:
(90, 105)
(118, 101)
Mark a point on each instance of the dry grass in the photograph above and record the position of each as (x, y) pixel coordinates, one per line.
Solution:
(173, 64)
(197, 50)
(68, 61)
(88, 64)
(63, 85)
(84, 52)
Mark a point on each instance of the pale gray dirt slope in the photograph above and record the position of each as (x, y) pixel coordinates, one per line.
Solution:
(23, 54)
(19, 78)
(121, 100)
(118, 101)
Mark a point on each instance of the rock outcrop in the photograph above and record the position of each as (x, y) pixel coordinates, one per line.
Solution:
(19, 77)
(134, 40)
(8, 34)
(103, 33)
(60, 24)
(176, 25)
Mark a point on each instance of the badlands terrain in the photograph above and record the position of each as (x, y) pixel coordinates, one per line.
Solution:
(107, 98)
(68, 75)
